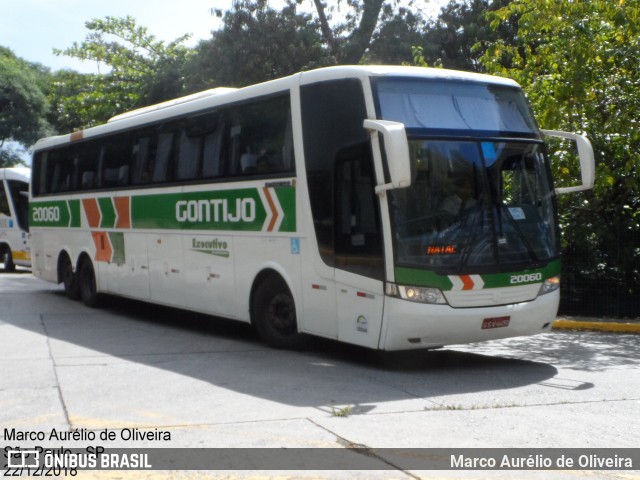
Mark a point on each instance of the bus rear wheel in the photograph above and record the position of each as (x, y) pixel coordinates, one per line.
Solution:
(88, 289)
(273, 313)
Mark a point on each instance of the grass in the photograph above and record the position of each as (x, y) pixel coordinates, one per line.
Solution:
(341, 412)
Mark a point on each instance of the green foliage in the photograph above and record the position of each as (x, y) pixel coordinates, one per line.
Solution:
(257, 43)
(394, 41)
(139, 70)
(578, 62)
(22, 103)
(10, 157)
(453, 38)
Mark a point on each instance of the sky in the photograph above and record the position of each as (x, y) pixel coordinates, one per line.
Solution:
(33, 28)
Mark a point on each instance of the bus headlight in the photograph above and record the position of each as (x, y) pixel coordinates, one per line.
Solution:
(416, 294)
(550, 285)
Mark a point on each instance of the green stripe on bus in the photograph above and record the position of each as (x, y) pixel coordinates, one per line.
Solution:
(74, 211)
(422, 278)
(50, 214)
(222, 210)
(524, 277)
(245, 209)
(236, 210)
(108, 212)
(287, 198)
(427, 278)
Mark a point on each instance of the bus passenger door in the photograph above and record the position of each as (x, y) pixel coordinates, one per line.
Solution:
(166, 276)
(358, 249)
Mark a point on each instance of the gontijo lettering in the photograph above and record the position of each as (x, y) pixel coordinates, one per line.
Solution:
(218, 209)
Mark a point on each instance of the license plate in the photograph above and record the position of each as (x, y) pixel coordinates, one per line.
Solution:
(497, 322)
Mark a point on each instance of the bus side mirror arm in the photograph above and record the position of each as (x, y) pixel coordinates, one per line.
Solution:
(396, 148)
(587, 159)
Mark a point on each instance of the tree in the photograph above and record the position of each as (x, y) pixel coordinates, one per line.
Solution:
(578, 62)
(140, 70)
(393, 41)
(366, 25)
(23, 106)
(456, 37)
(257, 43)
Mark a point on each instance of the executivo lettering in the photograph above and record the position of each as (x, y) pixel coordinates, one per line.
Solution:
(213, 247)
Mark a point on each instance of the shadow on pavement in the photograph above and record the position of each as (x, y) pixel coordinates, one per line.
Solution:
(229, 355)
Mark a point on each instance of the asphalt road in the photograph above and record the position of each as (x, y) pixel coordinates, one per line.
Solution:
(169, 378)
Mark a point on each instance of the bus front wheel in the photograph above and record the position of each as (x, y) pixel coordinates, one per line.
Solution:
(273, 313)
(88, 289)
(7, 259)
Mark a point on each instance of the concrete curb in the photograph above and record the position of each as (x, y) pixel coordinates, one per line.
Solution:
(596, 326)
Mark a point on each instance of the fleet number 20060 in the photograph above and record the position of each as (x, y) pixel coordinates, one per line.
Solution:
(46, 214)
(526, 277)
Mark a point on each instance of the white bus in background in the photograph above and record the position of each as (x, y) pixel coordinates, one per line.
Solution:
(14, 218)
(389, 207)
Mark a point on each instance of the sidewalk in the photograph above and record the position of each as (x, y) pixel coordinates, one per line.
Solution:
(597, 324)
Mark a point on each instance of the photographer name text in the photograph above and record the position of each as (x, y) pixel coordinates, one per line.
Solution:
(84, 435)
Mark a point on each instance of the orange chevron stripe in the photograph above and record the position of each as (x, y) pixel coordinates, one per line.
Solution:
(92, 211)
(104, 251)
(123, 211)
(272, 206)
(467, 282)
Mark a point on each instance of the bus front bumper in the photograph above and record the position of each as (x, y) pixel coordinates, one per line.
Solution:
(409, 325)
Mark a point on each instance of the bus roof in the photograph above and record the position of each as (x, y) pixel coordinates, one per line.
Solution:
(222, 95)
(329, 73)
(15, 173)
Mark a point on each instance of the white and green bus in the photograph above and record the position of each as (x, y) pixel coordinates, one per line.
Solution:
(14, 218)
(389, 207)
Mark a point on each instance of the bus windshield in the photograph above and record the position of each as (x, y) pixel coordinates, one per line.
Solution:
(19, 191)
(482, 197)
(475, 204)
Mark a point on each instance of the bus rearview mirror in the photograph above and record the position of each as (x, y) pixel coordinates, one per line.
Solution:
(396, 147)
(586, 156)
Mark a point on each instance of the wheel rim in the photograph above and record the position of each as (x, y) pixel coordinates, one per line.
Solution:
(281, 313)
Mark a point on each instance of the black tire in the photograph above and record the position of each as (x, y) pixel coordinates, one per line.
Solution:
(88, 289)
(70, 279)
(7, 259)
(273, 313)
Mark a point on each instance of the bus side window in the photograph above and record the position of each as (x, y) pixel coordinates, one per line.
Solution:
(60, 180)
(327, 142)
(41, 174)
(118, 153)
(212, 154)
(358, 245)
(140, 160)
(189, 156)
(260, 142)
(163, 157)
(87, 158)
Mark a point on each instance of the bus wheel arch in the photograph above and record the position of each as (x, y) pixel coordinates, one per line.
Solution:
(6, 258)
(273, 314)
(87, 281)
(68, 276)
